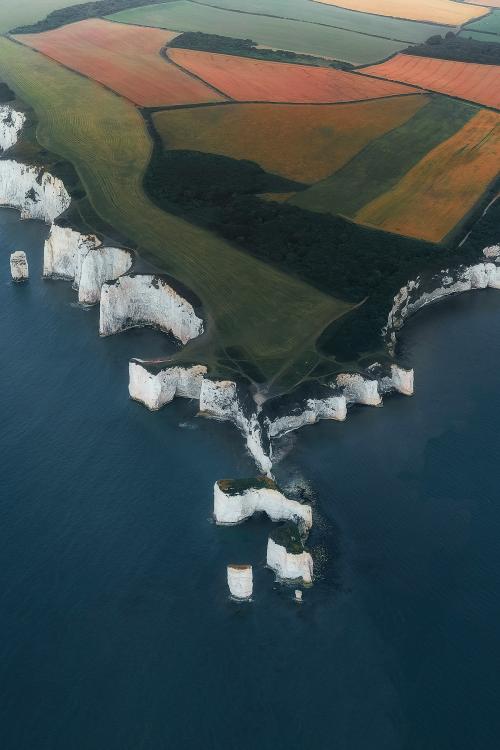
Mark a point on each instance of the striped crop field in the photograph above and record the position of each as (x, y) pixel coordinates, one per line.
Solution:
(444, 186)
(447, 12)
(313, 141)
(335, 17)
(126, 59)
(273, 317)
(386, 159)
(469, 81)
(245, 79)
(266, 30)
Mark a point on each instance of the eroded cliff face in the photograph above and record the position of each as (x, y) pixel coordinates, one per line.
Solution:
(226, 400)
(154, 389)
(138, 300)
(289, 566)
(240, 581)
(359, 390)
(37, 194)
(234, 507)
(419, 293)
(83, 259)
(11, 124)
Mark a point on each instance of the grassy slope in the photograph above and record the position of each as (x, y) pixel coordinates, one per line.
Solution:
(16, 12)
(272, 32)
(315, 141)
(272, 316)
(479, 36)
(384, 161)
(305, 10)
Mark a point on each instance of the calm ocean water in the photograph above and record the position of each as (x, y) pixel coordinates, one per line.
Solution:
(116, 632)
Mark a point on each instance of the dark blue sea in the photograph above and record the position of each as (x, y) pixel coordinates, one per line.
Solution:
(116, 631)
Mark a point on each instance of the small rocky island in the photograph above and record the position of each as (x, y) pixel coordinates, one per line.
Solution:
(19, 266)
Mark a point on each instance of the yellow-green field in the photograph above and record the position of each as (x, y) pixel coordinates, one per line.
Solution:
(274, 318)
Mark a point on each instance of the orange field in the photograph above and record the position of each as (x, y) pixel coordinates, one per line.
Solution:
(313, 141)
(470, 81)
(244, 79)
(124, 58)
(444, 186)
(446, 12)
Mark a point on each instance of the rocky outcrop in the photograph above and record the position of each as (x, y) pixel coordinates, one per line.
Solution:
(240, 581)
(19, 266)
(235, 501)
(82, 258)
(398, 380)
(301, 409)
(156, 384)
(289, 566)
(358, 389)
(227, 400)
(419, 293)
(138, 300)
(11, 124)
(36, 193)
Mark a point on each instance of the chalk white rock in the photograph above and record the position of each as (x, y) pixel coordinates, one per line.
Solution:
(400, 380)
(332, 407)
(11, 124)
(411, 297)
(219, 400)
(63, 252)
(19, 266)
(156, 389)
(288, 566)
(36, 193)
(234, 508)
(359, 390)
(491, 252)
(240, 581)
(81, 258)
(146, 300)
(99, 265)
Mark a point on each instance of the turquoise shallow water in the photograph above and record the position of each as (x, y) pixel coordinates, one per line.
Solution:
(115, 627)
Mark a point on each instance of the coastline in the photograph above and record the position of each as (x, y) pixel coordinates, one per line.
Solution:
(96, 268)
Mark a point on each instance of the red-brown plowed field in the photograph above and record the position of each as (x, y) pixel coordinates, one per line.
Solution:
(475, 83)
(244, 79)
(124, 58)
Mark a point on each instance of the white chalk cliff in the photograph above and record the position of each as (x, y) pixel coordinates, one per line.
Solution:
(11, 124)
(240, 581)
(19, 266)
(417, 293)
(36, 193)
(358, 389)
(331, 407)
(287, 565)
(82, 258)
(220, 399)
(232, 507)
(157, 388)
(140, 300)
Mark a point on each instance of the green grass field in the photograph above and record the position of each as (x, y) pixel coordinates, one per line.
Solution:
(17, 12)
(384, 161)
(330, 15)
(270, 316)
(488, 25)
(479, 36)
(296, 36)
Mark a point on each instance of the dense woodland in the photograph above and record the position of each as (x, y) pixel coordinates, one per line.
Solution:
(247, 48)
(337, 256)
(458, 48)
